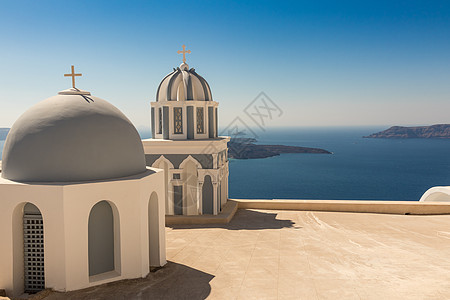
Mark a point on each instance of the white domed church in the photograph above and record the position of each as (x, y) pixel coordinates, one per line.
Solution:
(79, 205)
(186, 144)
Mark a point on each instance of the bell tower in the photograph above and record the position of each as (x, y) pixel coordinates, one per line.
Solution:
(185, 142)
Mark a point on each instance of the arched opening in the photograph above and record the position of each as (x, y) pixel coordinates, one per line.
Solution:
(207, 194)
(103, 239)
(224, 189)
(33, 249)
(165, 166)
(190, 181)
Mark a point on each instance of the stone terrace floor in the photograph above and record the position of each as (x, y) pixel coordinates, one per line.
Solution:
(298, 255)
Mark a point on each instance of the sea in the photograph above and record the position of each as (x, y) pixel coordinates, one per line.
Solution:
(359, 168)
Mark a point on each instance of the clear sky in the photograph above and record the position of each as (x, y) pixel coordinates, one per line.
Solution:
(324, 63)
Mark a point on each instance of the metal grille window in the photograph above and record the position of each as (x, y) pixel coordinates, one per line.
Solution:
(176, 176)
(200, 120)
(160, 120)
(33, 245)
(178, 119)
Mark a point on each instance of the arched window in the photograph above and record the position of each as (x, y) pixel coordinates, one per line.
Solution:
(101, 239)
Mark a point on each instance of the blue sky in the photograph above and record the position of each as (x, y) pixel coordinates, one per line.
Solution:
(325, 63)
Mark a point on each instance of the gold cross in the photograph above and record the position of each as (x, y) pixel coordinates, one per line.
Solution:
(184, 53)
(73, 76)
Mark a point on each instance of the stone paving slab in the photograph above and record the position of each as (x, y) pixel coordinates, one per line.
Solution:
(264, 254)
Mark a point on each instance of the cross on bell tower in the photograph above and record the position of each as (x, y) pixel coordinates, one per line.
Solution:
(73, 75)
(184, 53)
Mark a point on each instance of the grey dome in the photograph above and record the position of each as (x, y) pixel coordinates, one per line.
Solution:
(72, 137)
(183, 84)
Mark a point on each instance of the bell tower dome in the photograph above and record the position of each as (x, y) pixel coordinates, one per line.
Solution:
(184, 106)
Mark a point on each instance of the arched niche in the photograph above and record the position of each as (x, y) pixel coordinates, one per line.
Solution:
(103, 239)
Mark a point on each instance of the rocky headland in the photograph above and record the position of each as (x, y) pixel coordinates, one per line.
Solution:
(440, 131)
(247, 149)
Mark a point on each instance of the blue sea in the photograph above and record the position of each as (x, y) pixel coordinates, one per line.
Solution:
(358, 169)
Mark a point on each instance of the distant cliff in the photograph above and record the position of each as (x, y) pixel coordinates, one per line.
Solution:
(3, 133)
(440, 131)
(246, 149)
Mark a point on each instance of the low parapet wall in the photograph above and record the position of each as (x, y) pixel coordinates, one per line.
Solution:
(381, 207)
(352, 206)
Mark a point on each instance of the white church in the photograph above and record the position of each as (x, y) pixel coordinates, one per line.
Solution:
(79, 206)
(186, 144)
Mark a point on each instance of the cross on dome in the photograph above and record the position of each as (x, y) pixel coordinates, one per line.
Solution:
(73, 76)
(184, 53)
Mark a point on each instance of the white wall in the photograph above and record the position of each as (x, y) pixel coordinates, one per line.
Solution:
(436, 194)
(65, 211)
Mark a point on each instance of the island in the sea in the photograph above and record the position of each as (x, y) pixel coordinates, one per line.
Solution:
(439, 131)
(247, 149)
(3, 133)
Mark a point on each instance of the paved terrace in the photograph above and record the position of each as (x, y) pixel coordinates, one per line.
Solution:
(264, 254)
